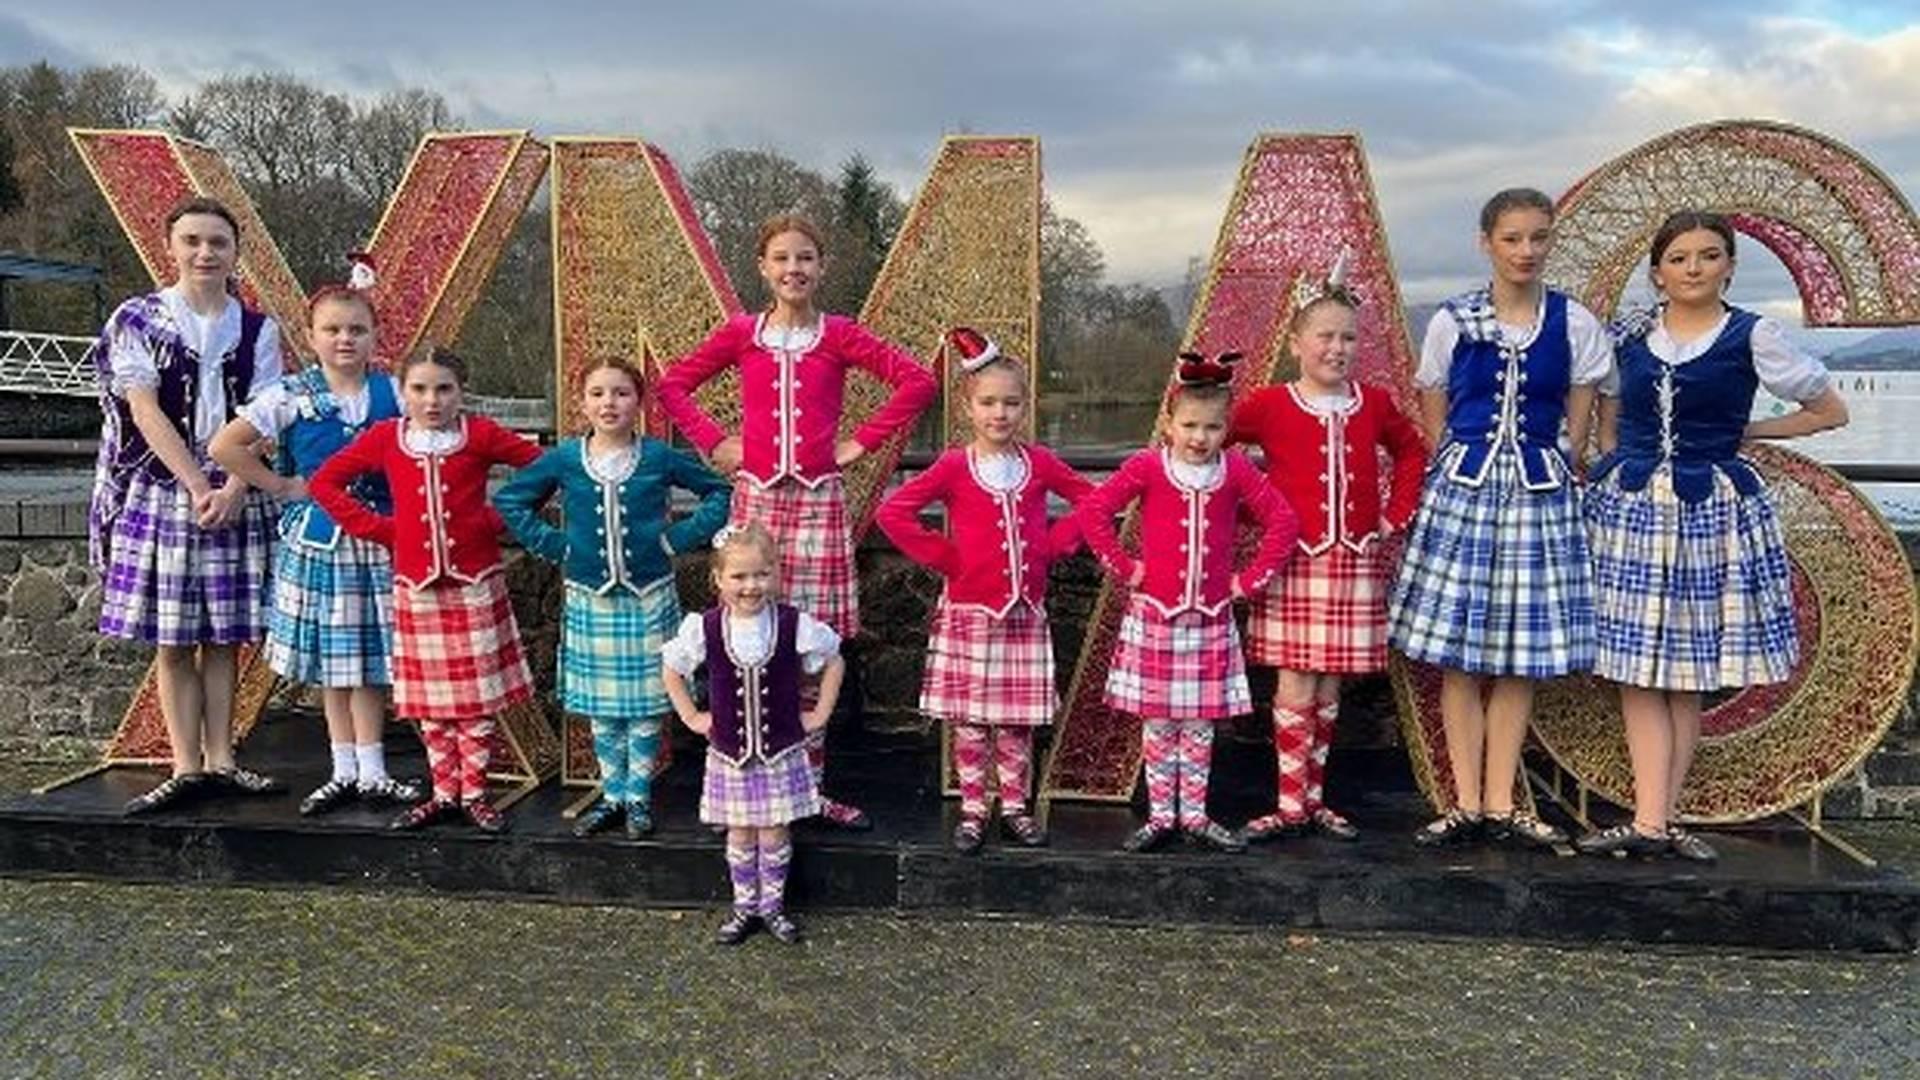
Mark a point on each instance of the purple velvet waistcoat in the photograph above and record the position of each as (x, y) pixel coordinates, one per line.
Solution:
(756, 709)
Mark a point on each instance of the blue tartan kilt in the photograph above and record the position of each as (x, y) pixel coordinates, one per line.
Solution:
(1690, 596)
(610, 650)
(1495, 579)
(331, 623)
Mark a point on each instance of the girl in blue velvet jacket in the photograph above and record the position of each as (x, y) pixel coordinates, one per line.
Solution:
(615, 545)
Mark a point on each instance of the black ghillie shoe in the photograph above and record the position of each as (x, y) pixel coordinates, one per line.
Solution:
(599, 816)
(1453, 827)
(1620, 840)
(1523, 829)
(639, 822)
(389, 790)
(783, 929)
(1217, 837)
(423, 814)
(1333, 825)
(1023, 829)
(173, 792)
(1145, 838)
(1688, 846)
(969, 835)
(328, 796)
(241, 780)
(738, 927)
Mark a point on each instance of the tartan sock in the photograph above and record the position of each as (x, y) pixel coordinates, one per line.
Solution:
(610, 750)
(372, 761)
(970, 768)
(1159, 745)
(1013, 763)
(1324, 715)
(743, 869)
(1196, 758)
(475, 739)
(1293, 731)
(346, 767)
(643, 751)
(443, 759)
(773, 877)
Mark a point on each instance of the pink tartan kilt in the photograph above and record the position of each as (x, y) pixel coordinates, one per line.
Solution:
(987, 670)
(1324, 613)
(1188, 667)
(456, 651)
(816, 547)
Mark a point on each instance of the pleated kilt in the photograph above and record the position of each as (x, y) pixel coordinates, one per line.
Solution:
(987, 669)
(758, 793)
(456, 651)
(1495, 579)
(1324, 613)
(169, 582)
(816, 546)
(332, 618)
(1690, 596)
(1188, 667)
(610, 650)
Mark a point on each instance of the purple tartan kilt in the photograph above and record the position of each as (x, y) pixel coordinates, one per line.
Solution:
(759, 793)
(169, 582)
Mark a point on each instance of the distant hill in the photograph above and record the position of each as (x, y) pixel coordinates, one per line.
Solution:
(1890, 350)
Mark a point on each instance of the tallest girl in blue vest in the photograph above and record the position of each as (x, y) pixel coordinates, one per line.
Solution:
(1495, 584)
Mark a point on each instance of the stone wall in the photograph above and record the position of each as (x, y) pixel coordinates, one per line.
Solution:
(63, 687)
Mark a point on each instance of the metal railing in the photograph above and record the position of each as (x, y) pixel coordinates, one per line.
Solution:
(45, 364)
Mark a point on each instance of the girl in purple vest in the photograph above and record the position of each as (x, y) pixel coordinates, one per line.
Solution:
(1691, 585)
(1495, 586)
(332, 619)
(182, 547)
(758, 653)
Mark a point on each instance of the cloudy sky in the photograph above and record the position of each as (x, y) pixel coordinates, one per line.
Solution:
(1143, 108)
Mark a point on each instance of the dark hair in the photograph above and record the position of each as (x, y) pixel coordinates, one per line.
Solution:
(434, 354)
(200, 204)
(780, 223)
(612, 362)
(1221, 393)
(1685, 221)
(340, 293)
(1518, 198)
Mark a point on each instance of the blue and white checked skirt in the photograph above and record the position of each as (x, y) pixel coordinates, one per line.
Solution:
(610, 650)
(1689, 596)
(332, 618)
(1495, 579)
(170, 582)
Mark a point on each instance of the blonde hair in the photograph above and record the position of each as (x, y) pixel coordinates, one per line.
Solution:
(782, 223)
(747, 534)
(613, 362)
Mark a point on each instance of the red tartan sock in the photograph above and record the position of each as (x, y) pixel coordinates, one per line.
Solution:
(1293, 731)
(475, 740)
(1324, 715)
(1013, 764)
(970, 768)
(1196, 763)
(443, 759)
(1159, 747)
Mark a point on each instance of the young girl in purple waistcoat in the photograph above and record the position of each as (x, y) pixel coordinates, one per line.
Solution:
(758, 653)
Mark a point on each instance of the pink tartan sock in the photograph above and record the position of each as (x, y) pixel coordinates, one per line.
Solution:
(1013, 763)
(1196, 760)
(970, 768)
(1159, 749)
(1293, 731)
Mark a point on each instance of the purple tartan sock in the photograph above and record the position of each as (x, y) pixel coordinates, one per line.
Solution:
(743, 867)
(773, 878)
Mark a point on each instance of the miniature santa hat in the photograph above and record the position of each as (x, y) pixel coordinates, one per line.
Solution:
(360, 277)
(975, 349)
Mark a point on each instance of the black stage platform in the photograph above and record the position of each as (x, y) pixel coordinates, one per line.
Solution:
(1774, 888)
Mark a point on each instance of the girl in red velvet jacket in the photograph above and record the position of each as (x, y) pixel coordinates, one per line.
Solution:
(456, 649)
(792, 361)
(1325, 615)
(989, 669)
(1177, 663)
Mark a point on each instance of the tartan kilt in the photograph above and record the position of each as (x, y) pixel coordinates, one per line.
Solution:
(758, 793)
(816, 547)
(983, 669)
(1187, 667)
(1690, 596)
(610, 650)
(456, 651)
(169, 582)
(1324, 613)
(332, 618)
(1495, 579)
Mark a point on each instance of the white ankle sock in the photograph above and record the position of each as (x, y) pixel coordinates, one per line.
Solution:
(346, 767)
(373, 763)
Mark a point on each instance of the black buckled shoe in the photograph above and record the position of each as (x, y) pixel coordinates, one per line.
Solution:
(423, 814)
(1333, 825)
(484, 816)
(1145, 838)
(173, 792)
(783, 929)
(1023, 829)
(241, 780)
(1620, 840)
(1523, 829)
(1688, 846)
(328, 796)
(639, 822)
(1217, 837)
(1453, 827)
(738, 927)
(599, 816)
(969, 835)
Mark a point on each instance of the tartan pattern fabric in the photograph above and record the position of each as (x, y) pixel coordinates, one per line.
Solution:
(456, 651)
(1010, 752)
(1495, 579)
(1293, 745)
(169, 582)
(458, 753)
(1690, 596)
(759, 793)
(987, 670)
(610, 650)
(816, 546)
(628, 751)
(1178, 755)
(774, 862)
(332, 618)
(1186, 667)
(1325, 715)
(743, 871)
(1324, 613)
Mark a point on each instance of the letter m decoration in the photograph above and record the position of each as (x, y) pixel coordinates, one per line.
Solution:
(435, 247)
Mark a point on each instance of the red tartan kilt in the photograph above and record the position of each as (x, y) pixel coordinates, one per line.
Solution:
(1324, 613)
(1188, 667)
(816, 545)
(456, 651)
(983, 669)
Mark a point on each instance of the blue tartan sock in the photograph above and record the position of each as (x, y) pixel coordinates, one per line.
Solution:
(643, 753)
(610, 749)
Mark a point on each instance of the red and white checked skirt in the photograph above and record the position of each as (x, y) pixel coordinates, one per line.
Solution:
(1324, 613)
(816, 546)
(983, 669)
(1188, 667)
(456, 651)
